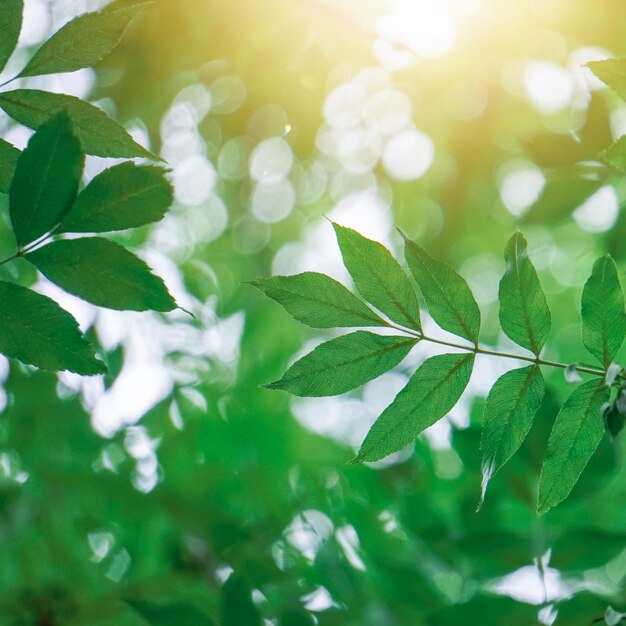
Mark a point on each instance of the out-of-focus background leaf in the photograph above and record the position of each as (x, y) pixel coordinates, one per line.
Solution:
(175, 480)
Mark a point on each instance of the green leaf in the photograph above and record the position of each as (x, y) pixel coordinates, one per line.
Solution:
(604, 319)
(448, 297)
(379, 277)
(524, 314)
(509, 412)
(576, 433)
(46, 180)
(97, 132)
(34, 329)
(123, 196)
(83, 42)
(8, 160)
(430, 394)
(10, 27)
(177, 614)
(611, 72)
(297, 618)
(237, 607)
(615, 154)
(103, 273)
(344, 363)
(318, 301)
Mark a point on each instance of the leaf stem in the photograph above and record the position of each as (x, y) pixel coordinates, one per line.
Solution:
(477, 349)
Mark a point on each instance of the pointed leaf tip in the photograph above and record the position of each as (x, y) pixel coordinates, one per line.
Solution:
(448, 297)
(524, 314)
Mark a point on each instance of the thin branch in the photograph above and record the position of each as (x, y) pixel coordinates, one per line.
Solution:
(476, 349)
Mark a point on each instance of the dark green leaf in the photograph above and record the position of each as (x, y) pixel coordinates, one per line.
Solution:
(604, 319)
(344, 363)
(448, 297)
(8, 160)
(237, 605)
(612, 72)
(97, 132)
(524, 314)
(123, 196)
(614, 419)
(83, 42)
(430, 394)
(46, 180)
(10, 27)
(318, 301)
(170, 614)
(576, 434)
(379, 277)
(103, 273)
(511, 406)
(34, 329)
(299, 618)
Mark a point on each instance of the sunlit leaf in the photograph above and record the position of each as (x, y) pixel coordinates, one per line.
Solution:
(429, 395)
(379, 277)
(83, 42)
(611, 72)
(615, 154)
(344, 363)
(34, 329)
(604, 319)
(103, 273)
(318, 301)
(511, 406)
(448, 297)
(46, 180)
(123, 196)
(170, 614)
(237, 607)
(8, 160)
(524, 314)
(10, 26)
(574, 438)
(97, 132)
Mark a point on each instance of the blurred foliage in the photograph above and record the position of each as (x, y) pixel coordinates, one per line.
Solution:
(216, 501)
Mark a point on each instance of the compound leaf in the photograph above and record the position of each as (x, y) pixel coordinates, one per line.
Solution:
(379, 277)
(318, 301)
(97, 133)
(8, 160)
(103, 273)
(34, 329)
(524, 314)
(448, 297)
(10, 27)
(83, 42)
(344, 363)
(430, 394)
(123, 196)
(575, 436)
(604, 319)
(46, 180)
(511, 406)
(169, 614)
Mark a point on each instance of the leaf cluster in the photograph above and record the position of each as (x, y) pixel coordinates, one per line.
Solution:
(348, 361)
(48, 208)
